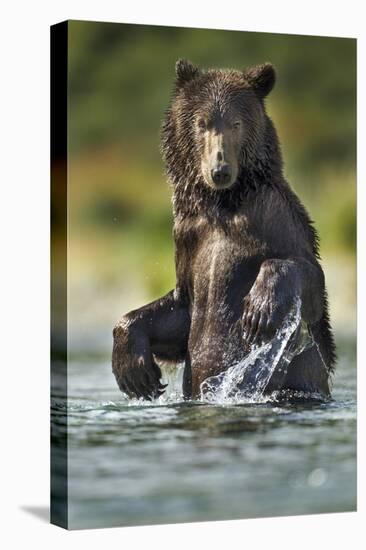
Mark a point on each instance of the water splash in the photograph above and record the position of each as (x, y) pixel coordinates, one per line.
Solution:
(247, 380)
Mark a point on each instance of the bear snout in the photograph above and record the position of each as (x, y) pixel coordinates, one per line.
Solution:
(221, 175)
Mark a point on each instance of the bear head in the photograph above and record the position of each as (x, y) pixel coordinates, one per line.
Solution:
(216, 124)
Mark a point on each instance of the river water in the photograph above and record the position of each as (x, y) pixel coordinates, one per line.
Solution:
(135, 463)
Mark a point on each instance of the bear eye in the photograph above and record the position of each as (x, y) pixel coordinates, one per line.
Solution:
(236, 125)
(201, 124)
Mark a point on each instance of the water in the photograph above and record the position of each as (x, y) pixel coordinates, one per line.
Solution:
(247, 380)
(134, 463)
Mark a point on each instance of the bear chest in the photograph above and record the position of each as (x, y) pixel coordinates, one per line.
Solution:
(222, 263)
(218, 263)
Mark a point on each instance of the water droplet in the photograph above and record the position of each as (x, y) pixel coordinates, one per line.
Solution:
(317, 477)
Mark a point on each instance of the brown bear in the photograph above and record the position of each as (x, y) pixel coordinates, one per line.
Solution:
(245, 246)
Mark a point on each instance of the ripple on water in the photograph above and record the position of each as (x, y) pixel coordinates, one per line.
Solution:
(135, 462)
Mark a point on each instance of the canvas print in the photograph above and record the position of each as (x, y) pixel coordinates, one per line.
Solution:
(203, 275)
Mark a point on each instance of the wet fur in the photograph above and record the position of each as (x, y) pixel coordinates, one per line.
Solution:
(241, 253)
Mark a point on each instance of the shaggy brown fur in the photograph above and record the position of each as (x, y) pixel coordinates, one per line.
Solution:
(245, 246)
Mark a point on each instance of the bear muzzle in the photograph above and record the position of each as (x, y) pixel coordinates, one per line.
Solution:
(221, 175)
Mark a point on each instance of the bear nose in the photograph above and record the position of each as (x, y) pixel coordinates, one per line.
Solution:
(221, 174)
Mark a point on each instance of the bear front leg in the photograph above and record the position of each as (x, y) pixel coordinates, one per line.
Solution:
(274, 292)
(160, 328)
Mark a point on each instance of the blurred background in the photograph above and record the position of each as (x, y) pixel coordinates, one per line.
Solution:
(120, 246)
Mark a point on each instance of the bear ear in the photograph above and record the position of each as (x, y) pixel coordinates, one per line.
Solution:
(185, 71)
(262, 78)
